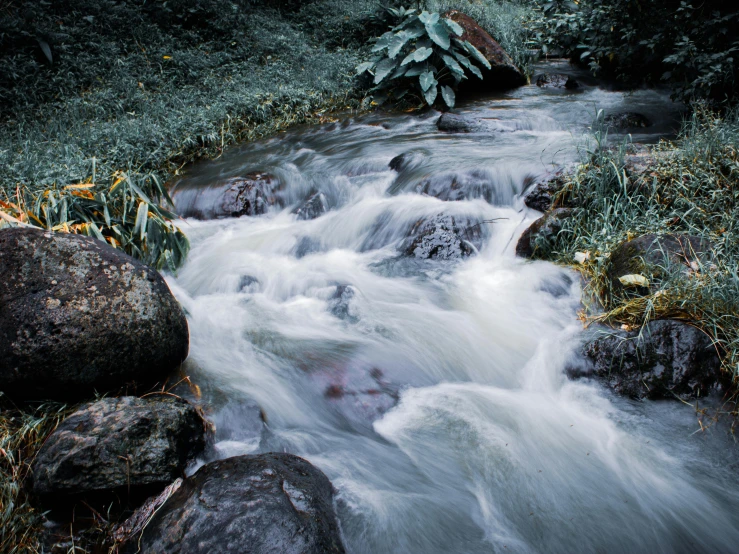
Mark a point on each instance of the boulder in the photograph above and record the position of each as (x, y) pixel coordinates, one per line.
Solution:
(665, 359)
(250, 195)
(503, 73)
(626, 120)
(78, 316)
(119, 443)
(654, 256)
(258, 504)
(545, 229)
(315, 206)
(556, 81)
(443, 237)
(540, 194)
(340, 303)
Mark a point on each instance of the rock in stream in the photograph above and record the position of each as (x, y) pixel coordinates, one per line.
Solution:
(266, 504)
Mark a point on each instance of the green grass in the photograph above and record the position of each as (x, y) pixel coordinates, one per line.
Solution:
(691, 187)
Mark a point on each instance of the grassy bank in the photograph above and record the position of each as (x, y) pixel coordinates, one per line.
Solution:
(687, 187)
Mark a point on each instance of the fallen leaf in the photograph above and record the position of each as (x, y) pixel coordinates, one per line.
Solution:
(634, 281)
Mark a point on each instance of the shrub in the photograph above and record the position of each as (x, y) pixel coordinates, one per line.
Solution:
(693, 47)
(422, 56)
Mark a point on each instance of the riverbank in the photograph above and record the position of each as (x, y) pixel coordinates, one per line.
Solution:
(686, 190)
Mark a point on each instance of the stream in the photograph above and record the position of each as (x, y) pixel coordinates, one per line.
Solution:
(432, 393)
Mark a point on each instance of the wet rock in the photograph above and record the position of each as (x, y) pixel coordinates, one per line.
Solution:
(626, 120)
(315, 206)
(78, 316)
(306, 246)
(259, 504)
(503, 73)
(541, 193)
(340, 303)
(455, 123)
(408, 160)
(443, 237)
(119, 443)
(543, 230)
(452, 187)
(250, 195)
(248, 283)
(545, 80)
(665, 359)
(654, 257)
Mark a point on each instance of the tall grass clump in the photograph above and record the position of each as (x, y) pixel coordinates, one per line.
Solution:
(22, 432)
(690, 187)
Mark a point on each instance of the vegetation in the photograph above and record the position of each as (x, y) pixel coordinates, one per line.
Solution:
(691, 46)
(691, 187)
(21, 435)
(422, 56)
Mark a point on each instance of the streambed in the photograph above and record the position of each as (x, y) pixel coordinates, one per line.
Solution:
(432, 392)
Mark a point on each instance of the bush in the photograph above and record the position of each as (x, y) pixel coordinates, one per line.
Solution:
(692, 47)
(420, 57)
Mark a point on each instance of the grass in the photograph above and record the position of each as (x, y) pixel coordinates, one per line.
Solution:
(22, 432)
(691, 187)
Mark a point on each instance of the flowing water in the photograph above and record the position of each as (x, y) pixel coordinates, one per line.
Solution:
(432, 393)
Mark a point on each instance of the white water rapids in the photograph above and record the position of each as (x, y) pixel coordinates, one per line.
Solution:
(431, 393)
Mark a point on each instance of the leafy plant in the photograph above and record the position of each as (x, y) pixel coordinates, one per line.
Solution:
(422, 55)
(128, 216)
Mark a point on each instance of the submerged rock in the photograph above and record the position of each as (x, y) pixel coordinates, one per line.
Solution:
(664, 359)
(408, 160)
(503, 73)
(545, 80)
(250, 195)
(315, 206)
(340, 303)
(119, 443)
(653, 256)
(545, 229)
(261, 504)
(459, 186)
(443, 237)
(78, 316)
(627, 120)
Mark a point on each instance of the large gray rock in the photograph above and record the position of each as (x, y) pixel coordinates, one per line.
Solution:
(663, 360)
(655, 257)
(543, 231)
(119, 443)
(503, 73)
(270, 503)
(626, 120)
(444, 237)
(556, 81)
(78, 316)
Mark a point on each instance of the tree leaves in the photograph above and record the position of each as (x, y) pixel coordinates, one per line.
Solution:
(430, 95)
(439, 34)
(417, 56)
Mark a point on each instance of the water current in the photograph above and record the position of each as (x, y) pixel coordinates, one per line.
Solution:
(432, 393)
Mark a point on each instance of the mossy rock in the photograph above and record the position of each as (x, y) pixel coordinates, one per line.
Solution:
(543, 231)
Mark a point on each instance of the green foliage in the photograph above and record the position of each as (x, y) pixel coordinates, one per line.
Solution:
(128, 216)
(692, 46)
(691, 187)
(422, 56)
